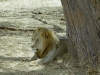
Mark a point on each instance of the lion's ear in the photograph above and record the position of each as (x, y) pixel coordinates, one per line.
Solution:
(45, 35)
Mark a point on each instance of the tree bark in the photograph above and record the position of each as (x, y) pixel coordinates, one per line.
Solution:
(96, 4)
(81, 18)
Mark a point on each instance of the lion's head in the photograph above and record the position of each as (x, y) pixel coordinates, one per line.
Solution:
(43, 38)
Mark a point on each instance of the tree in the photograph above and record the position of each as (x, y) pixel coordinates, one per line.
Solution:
(97, 7)
(82, 24)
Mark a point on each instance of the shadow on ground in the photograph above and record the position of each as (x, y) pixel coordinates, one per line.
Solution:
(21, 59)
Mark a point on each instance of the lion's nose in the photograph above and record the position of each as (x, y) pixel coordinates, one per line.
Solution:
(37, 49)
(32, 46)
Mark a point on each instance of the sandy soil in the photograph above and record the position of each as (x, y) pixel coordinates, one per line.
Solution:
(15, 45)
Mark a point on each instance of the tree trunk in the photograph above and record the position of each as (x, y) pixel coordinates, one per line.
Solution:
(96, 4)
(81, 19)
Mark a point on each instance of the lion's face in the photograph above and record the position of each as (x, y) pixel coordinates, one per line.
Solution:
(43, 40)
(37, 40)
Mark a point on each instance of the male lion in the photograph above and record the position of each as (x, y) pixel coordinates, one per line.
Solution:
(47, 45)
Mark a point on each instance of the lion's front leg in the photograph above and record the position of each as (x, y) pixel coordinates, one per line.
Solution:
(35, 57)
(39, 53)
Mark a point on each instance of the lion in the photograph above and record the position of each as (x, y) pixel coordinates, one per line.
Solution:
(47, 45)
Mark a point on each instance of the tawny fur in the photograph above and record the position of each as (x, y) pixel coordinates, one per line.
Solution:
(47, 44)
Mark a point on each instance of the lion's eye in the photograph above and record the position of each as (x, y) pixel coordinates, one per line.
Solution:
(32, 39)
(37, 40)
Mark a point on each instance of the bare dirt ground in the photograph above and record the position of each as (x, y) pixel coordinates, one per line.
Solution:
(17, 20)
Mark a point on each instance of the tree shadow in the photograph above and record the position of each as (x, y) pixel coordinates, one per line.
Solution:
(45, 71)
(39, 15)
(26, 73)
(23, 59)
